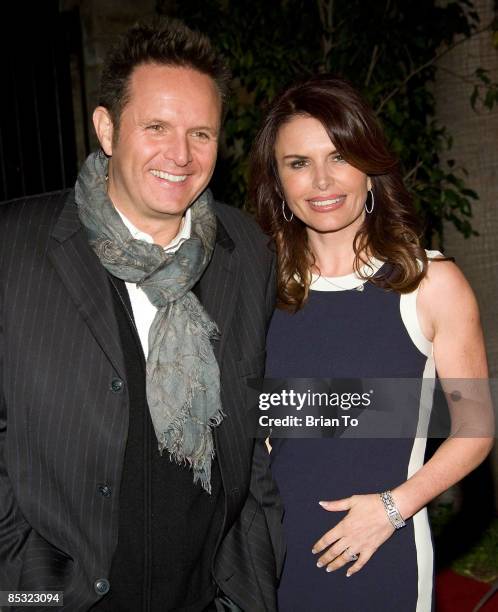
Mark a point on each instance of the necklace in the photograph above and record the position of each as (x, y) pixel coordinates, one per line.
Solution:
(348, 282)
(358, 288)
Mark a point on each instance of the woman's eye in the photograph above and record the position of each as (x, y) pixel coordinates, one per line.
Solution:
(298, 163)
(338, 157)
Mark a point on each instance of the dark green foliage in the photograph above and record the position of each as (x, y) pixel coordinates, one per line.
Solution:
(480, 561)
(388, 49)
(485, 92)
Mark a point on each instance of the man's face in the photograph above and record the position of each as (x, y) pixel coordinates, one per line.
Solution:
(165, 152)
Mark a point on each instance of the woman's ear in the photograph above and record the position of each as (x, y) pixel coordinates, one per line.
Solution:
(279, 191)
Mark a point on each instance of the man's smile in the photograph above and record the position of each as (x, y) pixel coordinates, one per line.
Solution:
(174, 178)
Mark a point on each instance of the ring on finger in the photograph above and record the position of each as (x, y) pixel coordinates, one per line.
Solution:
(352, 556)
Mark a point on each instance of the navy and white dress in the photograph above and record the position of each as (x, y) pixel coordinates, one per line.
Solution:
(349, 329)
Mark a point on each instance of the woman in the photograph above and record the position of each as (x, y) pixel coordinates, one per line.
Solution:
(358, 297)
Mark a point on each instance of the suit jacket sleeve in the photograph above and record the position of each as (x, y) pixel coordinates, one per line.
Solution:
(262, 487)
(13, 527)
(266, 494)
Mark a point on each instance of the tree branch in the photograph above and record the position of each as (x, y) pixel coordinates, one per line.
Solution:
(412, 171)
(432, 61)
(373, 61)
(462, 77)
(326, 11)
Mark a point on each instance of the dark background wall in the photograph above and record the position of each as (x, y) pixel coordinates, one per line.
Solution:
(37, 134)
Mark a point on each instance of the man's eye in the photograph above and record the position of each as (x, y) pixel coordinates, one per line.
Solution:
(155, 127)
(201, 135)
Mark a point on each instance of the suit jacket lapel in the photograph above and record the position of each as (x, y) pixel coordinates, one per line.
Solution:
(86, 281)
(218, 292)
(219, 286)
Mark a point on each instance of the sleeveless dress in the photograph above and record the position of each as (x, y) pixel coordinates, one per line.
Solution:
(351, 329)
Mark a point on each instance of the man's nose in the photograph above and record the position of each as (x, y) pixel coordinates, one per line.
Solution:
(178, 150)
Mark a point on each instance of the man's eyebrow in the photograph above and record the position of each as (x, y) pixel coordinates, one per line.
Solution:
(151, 120)
(205, 128)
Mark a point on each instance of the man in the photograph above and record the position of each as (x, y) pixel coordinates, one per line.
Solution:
(132, 310)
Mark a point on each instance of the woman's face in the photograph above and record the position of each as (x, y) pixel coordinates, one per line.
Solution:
(325, 192)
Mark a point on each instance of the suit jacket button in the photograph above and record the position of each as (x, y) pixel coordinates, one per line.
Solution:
(101, 586)
(116, 385)
(105, 490)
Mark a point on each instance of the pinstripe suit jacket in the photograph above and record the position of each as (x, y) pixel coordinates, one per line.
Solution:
(63, 426)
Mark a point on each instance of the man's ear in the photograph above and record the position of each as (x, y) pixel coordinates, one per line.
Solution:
(104, 128)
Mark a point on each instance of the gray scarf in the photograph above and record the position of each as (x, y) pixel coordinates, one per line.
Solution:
(183, 378)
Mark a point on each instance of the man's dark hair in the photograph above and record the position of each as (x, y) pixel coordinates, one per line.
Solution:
(162, 41)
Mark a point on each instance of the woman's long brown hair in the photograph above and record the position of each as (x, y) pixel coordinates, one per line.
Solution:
(390, 233)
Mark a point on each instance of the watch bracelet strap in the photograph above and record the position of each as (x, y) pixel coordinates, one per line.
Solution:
(393, 514)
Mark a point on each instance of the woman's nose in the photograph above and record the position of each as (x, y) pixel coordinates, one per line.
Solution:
(322, 178)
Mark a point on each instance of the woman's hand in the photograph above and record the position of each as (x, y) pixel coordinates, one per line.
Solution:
(365, 527)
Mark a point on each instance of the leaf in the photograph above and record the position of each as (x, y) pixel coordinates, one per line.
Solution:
(469, 193)
(490, 98)
(474, 96)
